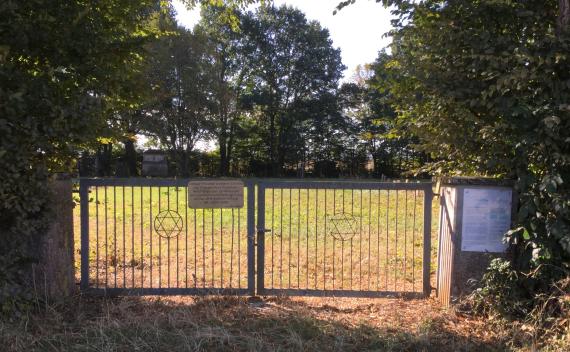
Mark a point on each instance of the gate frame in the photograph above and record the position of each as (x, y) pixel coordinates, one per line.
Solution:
(255, 236)
(86, 183)
(426, 187)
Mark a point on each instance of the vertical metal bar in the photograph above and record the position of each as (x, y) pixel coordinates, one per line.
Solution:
(186, 235)
(298, 238)
(334, 243)
(177, 243)
(142, 238)
(272, 236)
(396, 247)
(414, 243)
(159, 243)
(133, 236)
(325, 246)
(387, 235)
(232, 251)
(289, 247)
(124, 243)
(249, 189)
(405, 239)
(307, 243)
(342, 258)
(221, 248)
(115, 259)
(96, 235)
(213, 248)
(106, 240)
(84, 211)
(168, 240)
(352, 214)
(195, 248)
(360, 243)
(316, 234)
(369, 234)
(150, 237)
(203, 247)
(260, 238)
(250, 240)
(379, 213)
(281, 241)
(428, 196)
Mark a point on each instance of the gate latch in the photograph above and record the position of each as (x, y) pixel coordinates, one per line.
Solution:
(262, 231)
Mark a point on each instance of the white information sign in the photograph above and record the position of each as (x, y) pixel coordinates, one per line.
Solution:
(486, 218)
(215, 194)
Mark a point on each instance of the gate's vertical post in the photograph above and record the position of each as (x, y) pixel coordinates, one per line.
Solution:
(84, 213)
(260, 238)
(251, 238)
(428, 196)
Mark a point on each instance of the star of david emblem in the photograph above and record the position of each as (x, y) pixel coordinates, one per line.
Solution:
(344, 226)
(168, 224)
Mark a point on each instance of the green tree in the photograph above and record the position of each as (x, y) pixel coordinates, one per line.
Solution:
(63, 65)
(294, 62)
(485, 85)
(230, 78)
(179, 77)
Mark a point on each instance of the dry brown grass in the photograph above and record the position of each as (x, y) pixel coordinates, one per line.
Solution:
(241, 324)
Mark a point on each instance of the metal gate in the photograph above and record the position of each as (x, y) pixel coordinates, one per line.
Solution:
(139, 237)
(344, 238)
(355, 239)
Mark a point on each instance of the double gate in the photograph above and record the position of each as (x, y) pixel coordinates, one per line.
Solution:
(318, 238)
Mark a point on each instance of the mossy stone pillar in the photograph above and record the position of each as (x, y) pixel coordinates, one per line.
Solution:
(54, 273)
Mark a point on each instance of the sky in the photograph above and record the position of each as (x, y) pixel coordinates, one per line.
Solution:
(357, 29)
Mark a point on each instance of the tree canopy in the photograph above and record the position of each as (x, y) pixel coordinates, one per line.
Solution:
(484, 86)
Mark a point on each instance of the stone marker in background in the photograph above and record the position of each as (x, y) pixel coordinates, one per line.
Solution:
(475, 213)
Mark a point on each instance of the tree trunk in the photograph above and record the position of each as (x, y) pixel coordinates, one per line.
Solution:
(563, 16)
(131, 157)
(222, 141)
(230, 146)
(104, 156)
(278, 167)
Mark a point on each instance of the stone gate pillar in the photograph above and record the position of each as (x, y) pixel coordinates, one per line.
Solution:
(475, 213)
(54, 272)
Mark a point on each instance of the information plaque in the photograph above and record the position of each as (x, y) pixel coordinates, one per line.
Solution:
(204, 194)
(486, 218)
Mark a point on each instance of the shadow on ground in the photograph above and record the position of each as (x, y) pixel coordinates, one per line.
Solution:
(241, 324)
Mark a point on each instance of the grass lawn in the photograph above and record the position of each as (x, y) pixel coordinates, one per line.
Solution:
(325, 239)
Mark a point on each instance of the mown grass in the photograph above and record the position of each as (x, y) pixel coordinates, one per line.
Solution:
(384, 252)
(238, 324)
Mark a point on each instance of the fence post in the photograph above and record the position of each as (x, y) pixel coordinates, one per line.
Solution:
(260, 238)
(251, 238)
(84, 213)
(428, 196)
(53, 274)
